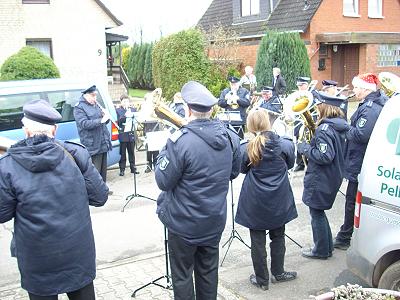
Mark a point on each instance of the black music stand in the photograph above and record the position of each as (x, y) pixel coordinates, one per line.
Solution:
(300, 246)
(234, 233)
(168, 285)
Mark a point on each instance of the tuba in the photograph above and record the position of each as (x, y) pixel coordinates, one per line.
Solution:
(299, 103)
(390, 83)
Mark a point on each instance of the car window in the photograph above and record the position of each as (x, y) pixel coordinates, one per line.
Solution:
(63, 101)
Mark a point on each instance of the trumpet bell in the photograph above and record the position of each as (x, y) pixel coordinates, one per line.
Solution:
(299, 102)
(390, 83)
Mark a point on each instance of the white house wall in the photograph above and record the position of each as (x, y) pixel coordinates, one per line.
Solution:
(76, 28)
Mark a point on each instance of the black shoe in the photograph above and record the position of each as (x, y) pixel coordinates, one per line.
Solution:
(285, 276)
(308, 253)
(134, 172)
(148, 170)
(340, 245)
(299, 168)
(110, 192)
(253, 281)
(122, 173)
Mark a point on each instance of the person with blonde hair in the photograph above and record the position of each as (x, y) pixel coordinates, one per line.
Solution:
(325, 171)
(266, 200)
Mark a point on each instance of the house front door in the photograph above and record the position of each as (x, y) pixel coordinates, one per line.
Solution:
(345, 63)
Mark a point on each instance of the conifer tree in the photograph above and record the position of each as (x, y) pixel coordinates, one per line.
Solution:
(148, 76)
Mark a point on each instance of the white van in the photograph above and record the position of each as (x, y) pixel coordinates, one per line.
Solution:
(374, 254)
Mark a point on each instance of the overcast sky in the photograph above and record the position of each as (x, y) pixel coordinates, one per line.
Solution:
(156, 17)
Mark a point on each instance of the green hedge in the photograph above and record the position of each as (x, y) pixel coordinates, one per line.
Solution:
(28, 63)
(179, 58)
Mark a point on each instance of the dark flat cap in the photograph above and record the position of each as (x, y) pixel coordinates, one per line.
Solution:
(302, 80)
(89, 90)
(233, 79)
(331, 100)
(198, 97)
(41, 111)
(266, 88)
(329, 83)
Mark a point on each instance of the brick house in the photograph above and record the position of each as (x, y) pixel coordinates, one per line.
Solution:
(72, 33)
(343, 37)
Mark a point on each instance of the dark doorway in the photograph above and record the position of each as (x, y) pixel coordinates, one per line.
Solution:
(345, 63)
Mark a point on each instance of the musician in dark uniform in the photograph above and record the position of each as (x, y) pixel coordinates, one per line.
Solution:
(235, 98)
(178, 105)
(46, 186)
(269, 101)
(192, 204)
(91, 122)
(325, 171)
(362, 123)
(266, 200)
(126, 135)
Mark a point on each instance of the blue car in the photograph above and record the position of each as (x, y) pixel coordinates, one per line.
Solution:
(62, 95)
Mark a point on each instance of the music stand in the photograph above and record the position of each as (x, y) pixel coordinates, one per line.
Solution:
(300, 246)
(234, 233)
(166, 276)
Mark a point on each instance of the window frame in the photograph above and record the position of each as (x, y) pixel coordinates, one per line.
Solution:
(35, 1)
(375, 15)
(250, 8)
(356, 13)
(32, 40)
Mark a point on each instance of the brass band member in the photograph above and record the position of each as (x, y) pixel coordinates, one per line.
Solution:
(266, 200)
(235, 98)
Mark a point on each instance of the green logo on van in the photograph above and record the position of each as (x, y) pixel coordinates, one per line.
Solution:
(392, 134)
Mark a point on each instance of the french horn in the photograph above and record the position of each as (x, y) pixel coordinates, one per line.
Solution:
(390, 83)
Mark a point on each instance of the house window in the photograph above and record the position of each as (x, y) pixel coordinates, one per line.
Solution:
(388, 55)
(350, 8)
(43, 45)
(250, 7)
(375, 8)
(35, 1)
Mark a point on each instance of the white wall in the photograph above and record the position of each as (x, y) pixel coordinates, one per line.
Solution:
(76, 28)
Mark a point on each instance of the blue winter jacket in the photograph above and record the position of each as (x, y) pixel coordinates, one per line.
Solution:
(47, 187)
(325, 167)
(93, 134)
(123, 136)
(266, 200)
(362, 124)
(193, 172)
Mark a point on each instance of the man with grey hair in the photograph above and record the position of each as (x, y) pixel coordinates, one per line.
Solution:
(47, 186)
(278, 82)
(193, 172)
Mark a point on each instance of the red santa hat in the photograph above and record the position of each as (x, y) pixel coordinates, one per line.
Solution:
(367, 81)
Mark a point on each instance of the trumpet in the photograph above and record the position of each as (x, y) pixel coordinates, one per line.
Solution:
(231, 99)
(390, 83)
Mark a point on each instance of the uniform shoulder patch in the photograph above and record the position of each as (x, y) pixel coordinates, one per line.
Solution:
(324, 127)
(75, 143)
(164, 163)
(177, 134)
(362, 122)
(323, 147)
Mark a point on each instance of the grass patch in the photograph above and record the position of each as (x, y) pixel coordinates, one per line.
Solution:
(138, 93)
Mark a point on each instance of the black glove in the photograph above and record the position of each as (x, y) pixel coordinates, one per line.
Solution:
(303, 147)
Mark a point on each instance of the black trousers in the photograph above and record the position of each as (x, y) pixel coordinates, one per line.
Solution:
(259, 253)
(346, 230)
(100, 163)
(152, 159)
(186, 259)
(85, 293)
(130, 147)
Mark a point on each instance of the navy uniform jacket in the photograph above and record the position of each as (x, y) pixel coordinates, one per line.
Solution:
(325, 168)
(362, 124)
(193, 172)
(93, 134)
(48, 190)
(266, 200)
(125, 136)
(243, 101)
(273, 104)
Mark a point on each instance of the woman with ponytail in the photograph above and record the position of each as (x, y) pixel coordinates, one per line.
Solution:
(266, 200)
